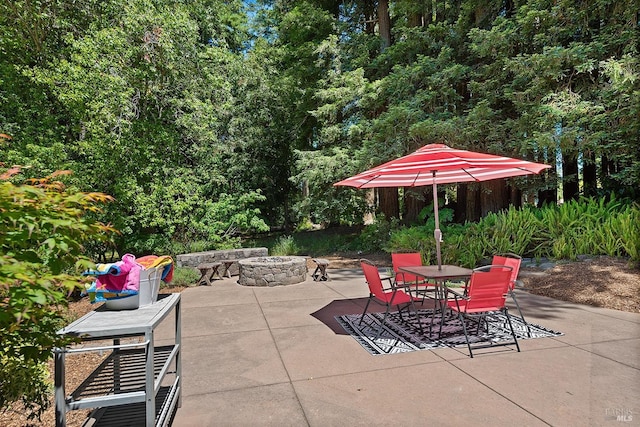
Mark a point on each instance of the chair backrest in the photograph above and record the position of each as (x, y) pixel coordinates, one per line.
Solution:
(488, 287)
(510, 260)
(405, 260)
(372, 276)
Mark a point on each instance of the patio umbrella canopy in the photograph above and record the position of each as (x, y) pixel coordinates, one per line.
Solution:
(439, 164)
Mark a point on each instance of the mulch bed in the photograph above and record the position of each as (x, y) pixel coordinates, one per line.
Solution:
(600, 282)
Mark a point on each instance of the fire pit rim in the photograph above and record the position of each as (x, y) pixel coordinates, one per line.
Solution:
(272, 270)
(281, 259)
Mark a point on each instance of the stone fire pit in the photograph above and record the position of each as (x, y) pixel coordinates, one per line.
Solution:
(272, 270)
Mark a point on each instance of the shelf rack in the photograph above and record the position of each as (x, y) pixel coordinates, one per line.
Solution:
(137, 383)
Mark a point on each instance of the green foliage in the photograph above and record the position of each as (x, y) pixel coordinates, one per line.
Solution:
(588, 226)
(585, 227)
(420, 238)
(517, 78)
(24, 379)
(304, 225)
(221, 225)
(42, 231)
(342, 239)
(413, 239)
(627, 226)
(376, 236)
(189, 247)
(326, 204)
(285, 245)
(150, 112)
(231, 215)
(515, 230)
(465, 248)
(184, 107)
(428, 216)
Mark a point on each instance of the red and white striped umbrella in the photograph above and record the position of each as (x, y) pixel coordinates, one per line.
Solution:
(439, 164)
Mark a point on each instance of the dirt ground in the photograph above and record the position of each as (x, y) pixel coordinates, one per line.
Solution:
(601, 282)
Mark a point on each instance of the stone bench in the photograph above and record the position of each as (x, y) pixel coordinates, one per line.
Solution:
(228, 257)
(207, 272)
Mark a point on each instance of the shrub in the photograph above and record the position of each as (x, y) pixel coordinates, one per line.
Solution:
(376, 236)
(413, 239)
(627, 226)
(587, 226)
(42, 228)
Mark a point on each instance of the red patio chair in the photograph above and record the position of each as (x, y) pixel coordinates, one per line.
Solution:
(485, 295)
(514, 261)
(407, 280)
(391, 296)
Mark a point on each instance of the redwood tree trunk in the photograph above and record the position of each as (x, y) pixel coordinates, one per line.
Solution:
(415, 20)
(590, 177)
(549, 195)
(570, 189)
(494, 196)
(384, 24)
(414, 201)
(473, 207)
(369, 13)
(388, 202)
(460, 212)
(415, 17)
(515, 196)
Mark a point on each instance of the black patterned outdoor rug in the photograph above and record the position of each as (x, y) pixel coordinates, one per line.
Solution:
(399, 336)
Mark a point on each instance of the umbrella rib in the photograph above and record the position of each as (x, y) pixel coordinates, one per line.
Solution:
(471, 175)
(413, 184)
(371, 179)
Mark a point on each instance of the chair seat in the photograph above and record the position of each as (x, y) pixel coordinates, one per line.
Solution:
(464, 309)
(399, 298)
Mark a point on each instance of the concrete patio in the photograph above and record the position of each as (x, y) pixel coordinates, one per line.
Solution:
(255, 356)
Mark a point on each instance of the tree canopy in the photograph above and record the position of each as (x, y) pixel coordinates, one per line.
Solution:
(206, 119)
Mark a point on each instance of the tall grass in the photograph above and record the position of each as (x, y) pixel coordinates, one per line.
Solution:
(183, 276)
(312, 243)
(627, 226)
(583, 227)
(285, 245)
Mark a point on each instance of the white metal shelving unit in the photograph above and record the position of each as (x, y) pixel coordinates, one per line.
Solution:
(137, 383)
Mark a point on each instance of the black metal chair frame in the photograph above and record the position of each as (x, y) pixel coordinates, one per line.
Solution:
(483, 315)
(512, 293)
(389, 304)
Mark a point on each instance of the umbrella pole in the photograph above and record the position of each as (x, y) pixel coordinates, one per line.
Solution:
(437, 234)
